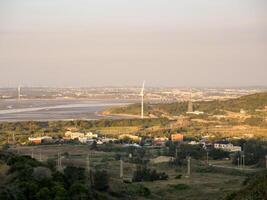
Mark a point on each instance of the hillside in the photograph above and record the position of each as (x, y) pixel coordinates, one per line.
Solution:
(248, 103)
(255, 187)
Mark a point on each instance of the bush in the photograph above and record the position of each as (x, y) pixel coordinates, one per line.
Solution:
(180, 187)
(146, 174)
(101, 180)
(179, 176)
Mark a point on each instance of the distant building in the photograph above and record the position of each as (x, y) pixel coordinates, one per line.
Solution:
(193, 143)
(39, 140)
(242, 111)
(132, 145)
(195, 112)
(160, 141)
(91, 135)
(85, 140)
(73, 135)
(226, 146)
(177, 137)
(107, 140)
(82, 137)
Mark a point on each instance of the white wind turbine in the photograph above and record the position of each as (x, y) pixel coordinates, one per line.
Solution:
(142, 100)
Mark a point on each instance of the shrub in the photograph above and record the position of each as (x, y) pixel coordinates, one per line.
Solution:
(146, 174)
(180, 187)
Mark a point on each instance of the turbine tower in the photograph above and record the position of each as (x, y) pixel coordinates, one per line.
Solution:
(142, 100)
(19, 92)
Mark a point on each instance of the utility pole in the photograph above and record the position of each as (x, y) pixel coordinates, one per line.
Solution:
(188, 166)
(243, 159)
(40, 156)
(266, 161)
(207, 158)
(176, 153)
(59, 161)
(32, 154)
(121, 168)
(88, 164)
(19, 92)
(238, 162)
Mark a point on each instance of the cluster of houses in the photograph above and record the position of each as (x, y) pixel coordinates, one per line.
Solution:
(39, 140)
(226, 146)
(222, 145)
(90, 137)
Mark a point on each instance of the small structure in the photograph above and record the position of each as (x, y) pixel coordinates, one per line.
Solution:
(177, 137)
(132, 145)
(73, 135)
(107, 140)
(242, 112)
(39, 140)
(85, 140)
(195, 113)
(193, 143)
(160, 141)
(226, 146)
(91, 135)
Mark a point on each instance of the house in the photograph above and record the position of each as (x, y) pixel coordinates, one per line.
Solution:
(193, 143)
(73, 135)
(85, 140)
(160, 141)
(91, 135)
(226, 146)
(132, 145)
(195, 113)
(39, 140)
(177, 137)
(107, 140)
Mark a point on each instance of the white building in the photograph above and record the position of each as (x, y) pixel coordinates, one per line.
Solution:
(91, 135)
(226, 146)
(195, 113)
(73, 135)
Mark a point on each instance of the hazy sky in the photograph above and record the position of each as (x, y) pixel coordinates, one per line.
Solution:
(123, 42)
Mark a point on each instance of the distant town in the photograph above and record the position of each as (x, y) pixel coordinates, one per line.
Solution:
(153, 94)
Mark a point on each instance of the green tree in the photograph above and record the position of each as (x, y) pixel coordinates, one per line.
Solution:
(101, 180)
(43, 194)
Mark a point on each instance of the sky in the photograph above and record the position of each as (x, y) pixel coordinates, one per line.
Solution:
(168, 43)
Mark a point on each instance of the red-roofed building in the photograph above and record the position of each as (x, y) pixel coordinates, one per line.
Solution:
(177, 137)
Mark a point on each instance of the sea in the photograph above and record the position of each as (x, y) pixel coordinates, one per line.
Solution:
(56, 109)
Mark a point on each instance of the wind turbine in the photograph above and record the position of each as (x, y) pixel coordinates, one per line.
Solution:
(19, 92)
(142, 100)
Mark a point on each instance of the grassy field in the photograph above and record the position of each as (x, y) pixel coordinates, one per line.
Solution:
(200, 185)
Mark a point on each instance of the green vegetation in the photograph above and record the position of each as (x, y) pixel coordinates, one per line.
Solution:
(146, 174)
(22, 130)
(30, 179)
(255, 187)
(248, 103)
(254, 151)
(180, 187)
